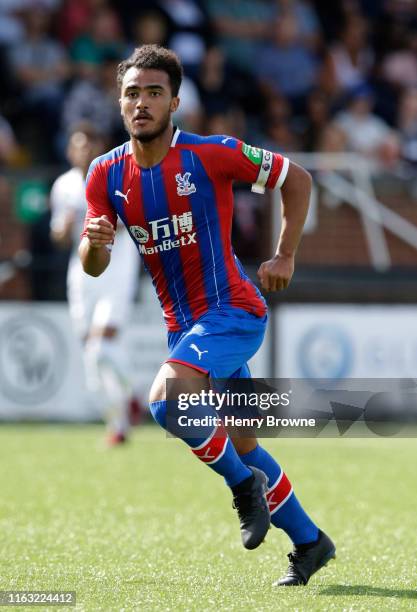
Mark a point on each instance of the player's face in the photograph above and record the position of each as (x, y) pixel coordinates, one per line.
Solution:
(146, 103)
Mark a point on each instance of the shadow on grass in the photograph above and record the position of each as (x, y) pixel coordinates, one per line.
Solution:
(369, 591)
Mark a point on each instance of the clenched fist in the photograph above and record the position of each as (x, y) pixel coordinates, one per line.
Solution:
(100, 231)
(276, 273)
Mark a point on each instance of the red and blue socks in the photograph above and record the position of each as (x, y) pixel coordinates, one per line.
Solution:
(286, 511)
(210, 444)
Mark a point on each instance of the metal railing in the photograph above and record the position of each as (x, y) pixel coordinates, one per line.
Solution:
(347, 178)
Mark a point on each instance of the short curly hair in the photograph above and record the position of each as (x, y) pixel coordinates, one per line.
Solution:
(154, 57)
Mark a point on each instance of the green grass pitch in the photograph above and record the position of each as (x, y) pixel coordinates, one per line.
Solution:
(148, 527)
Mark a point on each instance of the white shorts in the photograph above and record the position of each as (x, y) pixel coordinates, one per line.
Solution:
(106, 300)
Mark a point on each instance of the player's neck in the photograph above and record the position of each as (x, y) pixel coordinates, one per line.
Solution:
(148, 154)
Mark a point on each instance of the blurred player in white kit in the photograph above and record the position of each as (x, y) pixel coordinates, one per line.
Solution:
(99, 307)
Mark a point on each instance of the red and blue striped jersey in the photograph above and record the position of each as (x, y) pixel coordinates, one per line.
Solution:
(179, 214)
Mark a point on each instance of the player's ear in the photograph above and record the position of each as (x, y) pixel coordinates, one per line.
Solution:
(175, 102)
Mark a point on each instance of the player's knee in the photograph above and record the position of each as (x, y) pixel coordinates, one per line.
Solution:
(158, 388)
(191, 380)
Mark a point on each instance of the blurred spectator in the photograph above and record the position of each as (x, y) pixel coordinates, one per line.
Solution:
(365, 132)
(231, 122)
(241, 25)
(277, 121)
(75, 17)
(40, 62)
(9, 86)
(11, 26)
(349, 60)
(287, 64)
(330, 16)
(316, 119)
(42, 68)
(257, 69)
(189, 115)
(247, 221)
(190, 31)
(407, 125)
(213, 82)
(400, 65)
(223, 86)
(308, 26)
(103, 37)
(95, 99)
(332, 139)
(267, 63)
(98, 308)
(8, 145)
(401, 10)
(148, 28)
(280, 138)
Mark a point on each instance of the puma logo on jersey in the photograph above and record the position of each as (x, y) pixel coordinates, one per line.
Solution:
(122, 195)
(184, 187)
(226, 139)
(197, 350)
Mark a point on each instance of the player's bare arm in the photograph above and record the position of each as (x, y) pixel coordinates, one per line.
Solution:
(93, 251)
(276, 273)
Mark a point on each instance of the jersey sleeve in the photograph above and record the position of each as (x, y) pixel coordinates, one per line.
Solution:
(239, 161)
(98, 202)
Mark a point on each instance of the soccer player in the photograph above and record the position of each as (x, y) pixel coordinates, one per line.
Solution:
(173, 191)
(99, 308)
